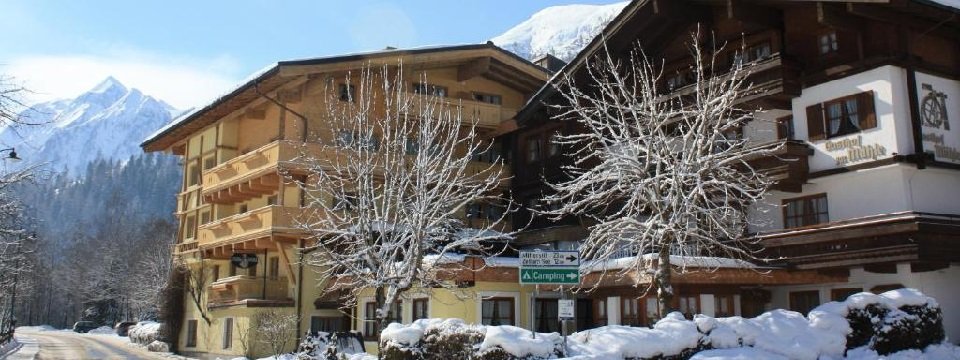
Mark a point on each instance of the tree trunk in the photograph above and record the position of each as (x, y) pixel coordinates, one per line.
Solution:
(381, 318)
(663, 279)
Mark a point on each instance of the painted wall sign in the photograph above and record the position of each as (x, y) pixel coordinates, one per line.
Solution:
(940, 137)
(854, 150)
(244, 261)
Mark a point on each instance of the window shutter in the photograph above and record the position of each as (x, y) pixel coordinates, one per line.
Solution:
(869, 111)
(815, 130)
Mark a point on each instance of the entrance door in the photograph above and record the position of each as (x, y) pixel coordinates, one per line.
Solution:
(585, 314)
(547, 316)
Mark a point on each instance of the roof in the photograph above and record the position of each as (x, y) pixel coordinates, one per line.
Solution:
(622, 23)
(277, 74)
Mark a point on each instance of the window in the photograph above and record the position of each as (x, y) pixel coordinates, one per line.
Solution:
(679, 79)
(193, 175)
(429, 89)
(191, 333)
(413, 146)
(804, 301)
(805, 211)
(785, 128)
(209, 162)
(420, 309)
(233, 269)
(272, 200)
(485, 211)
(344, 138)
(842, 294)
(533, 150)
(553, 145)
(242, 208)
(252, 271)
(629, 312)
(227, 333)
(274, 268)
(215, 272)
(190, 227)
(723, 305)
(841, 116)
(204, 217)
(347, 92)
(653, 311)
(370, 326)
(828, 43)
(758, 51)
(325, 324)
(600, 312)
(497, 311)
(488, 98)
(547, 316)
(690, 305)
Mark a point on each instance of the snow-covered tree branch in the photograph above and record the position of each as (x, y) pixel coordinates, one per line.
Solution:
(387, 191)
(658, 172)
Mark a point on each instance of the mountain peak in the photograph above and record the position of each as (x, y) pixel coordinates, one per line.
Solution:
(561, 31)
(110, 84)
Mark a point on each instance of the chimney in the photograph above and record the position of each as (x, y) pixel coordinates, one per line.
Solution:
(549, 62)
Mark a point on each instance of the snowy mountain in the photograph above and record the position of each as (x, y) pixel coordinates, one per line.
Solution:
(108, 122)
(558, 30)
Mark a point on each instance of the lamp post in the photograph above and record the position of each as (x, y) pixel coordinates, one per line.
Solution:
(12, 156)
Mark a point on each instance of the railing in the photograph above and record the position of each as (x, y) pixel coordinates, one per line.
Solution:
(257, 162)
(251, 224)
(481, 114)
(243, 287)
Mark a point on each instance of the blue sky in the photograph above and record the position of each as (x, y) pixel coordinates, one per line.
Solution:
(186, 52)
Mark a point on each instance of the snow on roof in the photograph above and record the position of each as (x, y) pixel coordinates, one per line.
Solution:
(686, 261)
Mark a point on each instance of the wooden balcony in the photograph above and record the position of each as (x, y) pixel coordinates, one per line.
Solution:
(788, 165)
(250, 229)
(235, 289)
(482, 115)
(257, 172)
(775, 81)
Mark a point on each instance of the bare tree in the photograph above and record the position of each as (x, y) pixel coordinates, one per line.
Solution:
(658, 172)
(388, 194)
(274, 329)
(151, 274)
(196, 277)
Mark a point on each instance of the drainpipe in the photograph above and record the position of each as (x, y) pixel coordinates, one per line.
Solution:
(299, 289)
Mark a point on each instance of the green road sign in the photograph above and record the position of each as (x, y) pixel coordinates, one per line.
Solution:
(549, 276)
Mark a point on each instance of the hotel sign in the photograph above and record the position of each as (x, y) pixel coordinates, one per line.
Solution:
(938, 137)
(853, 150)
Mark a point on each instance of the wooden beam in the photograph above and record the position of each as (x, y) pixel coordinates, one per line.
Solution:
(286, 262)
(473, 68)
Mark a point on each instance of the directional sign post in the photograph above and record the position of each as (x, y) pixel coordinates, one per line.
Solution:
(550, 267)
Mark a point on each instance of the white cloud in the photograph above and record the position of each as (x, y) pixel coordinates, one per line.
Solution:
(183, 83)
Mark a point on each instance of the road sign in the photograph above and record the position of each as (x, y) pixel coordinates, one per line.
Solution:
(549, 259)
(567, 309)
(549, 276)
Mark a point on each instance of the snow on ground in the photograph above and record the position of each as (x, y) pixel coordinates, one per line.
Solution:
(39, 328)
(9, 348)
(737, 354)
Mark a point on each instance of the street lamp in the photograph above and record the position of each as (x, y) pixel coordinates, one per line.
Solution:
(12, 156)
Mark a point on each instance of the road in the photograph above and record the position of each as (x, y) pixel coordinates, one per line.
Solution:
(50, 345)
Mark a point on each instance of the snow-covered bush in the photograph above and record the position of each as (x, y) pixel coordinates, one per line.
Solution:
(451, 339)
(327, 346)
(144, 332)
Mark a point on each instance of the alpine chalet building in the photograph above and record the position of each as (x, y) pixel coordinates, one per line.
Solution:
(863, 96)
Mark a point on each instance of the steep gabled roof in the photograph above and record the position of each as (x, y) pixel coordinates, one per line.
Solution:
(505, 67)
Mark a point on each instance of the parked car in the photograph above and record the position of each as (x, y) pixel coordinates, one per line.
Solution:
(123, 327)
(84, 326)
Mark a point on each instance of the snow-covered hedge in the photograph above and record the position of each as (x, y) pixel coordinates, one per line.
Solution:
(326, 346)
(144, 332)
(865, 323)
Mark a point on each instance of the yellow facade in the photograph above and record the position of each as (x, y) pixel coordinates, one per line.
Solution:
(237, 195)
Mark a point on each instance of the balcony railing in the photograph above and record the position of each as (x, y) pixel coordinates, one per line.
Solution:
(481, 114)
(251, 225)
(245, 287)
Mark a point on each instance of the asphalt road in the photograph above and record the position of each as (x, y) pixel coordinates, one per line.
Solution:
(49, 345)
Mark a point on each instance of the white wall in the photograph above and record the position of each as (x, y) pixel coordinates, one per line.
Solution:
(940, 284)
(893, 131)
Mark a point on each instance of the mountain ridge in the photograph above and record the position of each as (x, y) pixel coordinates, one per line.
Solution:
(561, 31)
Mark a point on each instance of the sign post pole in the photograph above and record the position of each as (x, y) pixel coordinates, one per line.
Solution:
(551, 268)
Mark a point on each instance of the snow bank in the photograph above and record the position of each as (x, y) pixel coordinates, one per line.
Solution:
(144, 332)
(519, 342)
(737, 354)
(670, 336)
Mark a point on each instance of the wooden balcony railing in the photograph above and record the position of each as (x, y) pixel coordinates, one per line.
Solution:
(245, 287)
(251, 225)
(483, 115)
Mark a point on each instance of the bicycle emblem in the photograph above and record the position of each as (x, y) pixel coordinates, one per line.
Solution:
(933, 110)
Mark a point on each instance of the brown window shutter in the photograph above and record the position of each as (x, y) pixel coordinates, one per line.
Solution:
(866, 107)
(815, 130)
